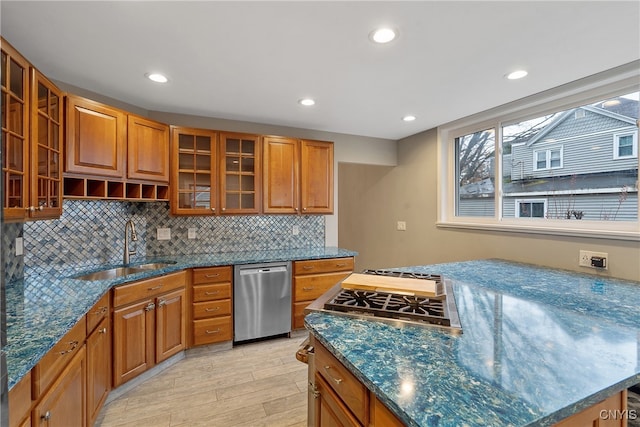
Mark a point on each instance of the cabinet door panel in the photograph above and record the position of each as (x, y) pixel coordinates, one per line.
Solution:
(133, 342)
(330, 410)
(96, 137)
(240, 173)
(64, 404)
(280, 193)
(98, 369)
(170, 325)
(317, 177)
(147, 149)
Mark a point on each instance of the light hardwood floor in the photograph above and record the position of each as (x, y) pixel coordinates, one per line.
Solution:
(257, 384)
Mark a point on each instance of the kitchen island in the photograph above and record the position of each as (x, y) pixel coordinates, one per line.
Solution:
(538, 345)
(42, 309)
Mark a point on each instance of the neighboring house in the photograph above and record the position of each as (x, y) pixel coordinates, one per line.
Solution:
(582, 165)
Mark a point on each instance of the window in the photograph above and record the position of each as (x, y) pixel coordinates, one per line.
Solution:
(534, 208)
(547, 166)
(548, 159)
(625, 145)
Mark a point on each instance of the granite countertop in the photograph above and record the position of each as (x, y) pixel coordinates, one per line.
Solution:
(537, 346)
(40, 310)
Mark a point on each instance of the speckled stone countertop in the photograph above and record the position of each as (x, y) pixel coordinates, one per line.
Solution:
(41, 310)
(537, 346)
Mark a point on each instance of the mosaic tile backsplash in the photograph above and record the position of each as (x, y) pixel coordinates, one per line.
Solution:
(13, 265)
(91, 233)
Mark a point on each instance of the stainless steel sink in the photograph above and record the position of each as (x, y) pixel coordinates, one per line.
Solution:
(124, 271)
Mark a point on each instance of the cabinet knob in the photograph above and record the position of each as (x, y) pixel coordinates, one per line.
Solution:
(295, 209)
(224, 209)
(304, 209)
(46, 416)
(103, 330)
(213, 209)
(150, 307)
(162, 303)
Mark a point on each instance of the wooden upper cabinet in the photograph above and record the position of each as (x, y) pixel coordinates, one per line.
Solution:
(240, 173)
(46, 147)
(15, 144)
(147, 149)
(31, 141)
(280, 175)
(316, 178)
(193, 185)
(96, 138)
(298, 176)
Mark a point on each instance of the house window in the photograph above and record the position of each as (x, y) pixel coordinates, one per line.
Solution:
(534, 159)
(548, 159)
(625, 145)
(533, 208)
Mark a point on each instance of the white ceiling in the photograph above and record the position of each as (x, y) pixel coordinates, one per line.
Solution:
(252, 61)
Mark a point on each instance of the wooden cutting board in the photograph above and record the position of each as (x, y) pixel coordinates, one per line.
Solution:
(370, 282)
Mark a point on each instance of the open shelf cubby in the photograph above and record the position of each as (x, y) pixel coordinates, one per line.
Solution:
(76, 187)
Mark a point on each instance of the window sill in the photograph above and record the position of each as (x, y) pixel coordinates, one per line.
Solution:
(630, 233)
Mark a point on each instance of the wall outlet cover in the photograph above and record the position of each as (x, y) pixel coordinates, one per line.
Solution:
(163, 233)
(401, 226)
(191, 233)
(19, 246)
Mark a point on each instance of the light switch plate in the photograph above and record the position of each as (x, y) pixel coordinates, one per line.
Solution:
(191, 233)
(295, 230)
(163, 233)
(401, 226)
(19, 246)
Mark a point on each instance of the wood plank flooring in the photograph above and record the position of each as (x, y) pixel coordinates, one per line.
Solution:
(257, 384)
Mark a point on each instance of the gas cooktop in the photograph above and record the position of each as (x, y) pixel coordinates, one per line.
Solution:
(396, 306)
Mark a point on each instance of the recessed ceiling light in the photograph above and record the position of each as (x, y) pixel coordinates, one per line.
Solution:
(517, 75)
(383, 35)
(157, 77)
(409, 118)
(307, 102)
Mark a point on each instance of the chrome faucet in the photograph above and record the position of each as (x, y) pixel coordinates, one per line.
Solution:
(134, 238)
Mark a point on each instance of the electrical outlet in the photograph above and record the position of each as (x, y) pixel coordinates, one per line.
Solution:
(592, 259)
(401, 226)
(191, 233)
(295, 230)
(19, 246)
(163, 233)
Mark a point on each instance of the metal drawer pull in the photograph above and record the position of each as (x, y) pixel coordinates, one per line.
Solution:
(307, 267)
(337, 380)
(341, 265)
(73, 345)
(46, 416)
(212, 309)
(217, 331)
(212, 292)
(211, 276)
(100, 310)
(155, 288)
(308, 288)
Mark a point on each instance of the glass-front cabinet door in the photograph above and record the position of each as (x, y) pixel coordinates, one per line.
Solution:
(46, 147)
(240, 162)
(15, 82)
(194, 172)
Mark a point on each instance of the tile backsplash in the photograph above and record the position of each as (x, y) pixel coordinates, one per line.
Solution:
(13, 266)
(91, 233)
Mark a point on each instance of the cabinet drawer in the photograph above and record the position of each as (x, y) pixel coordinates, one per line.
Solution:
(212, 275)
(322, 266)
(307, 288)
(207, 309)
(298, 314)
(208, 331)
(211, 292)
(350, 390)
(50, 366)
(149, 288)
(99, 311)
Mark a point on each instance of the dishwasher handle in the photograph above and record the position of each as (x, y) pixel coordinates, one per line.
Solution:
(276, 269)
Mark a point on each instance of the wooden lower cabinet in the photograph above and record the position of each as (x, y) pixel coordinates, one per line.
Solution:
(64, 404)
(150, 330)
(98, 369)
(611, 412)
(211, 308)
(312, 278)
(330, 410)
(20, 403)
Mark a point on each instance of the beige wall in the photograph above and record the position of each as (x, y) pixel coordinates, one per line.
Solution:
(373, 198)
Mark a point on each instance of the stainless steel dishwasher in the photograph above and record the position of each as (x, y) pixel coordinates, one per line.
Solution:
(261, 300)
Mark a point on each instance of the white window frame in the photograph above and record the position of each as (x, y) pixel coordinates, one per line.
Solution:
(615, 82)
(519, 201)
(616, 145)
(547, 165)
